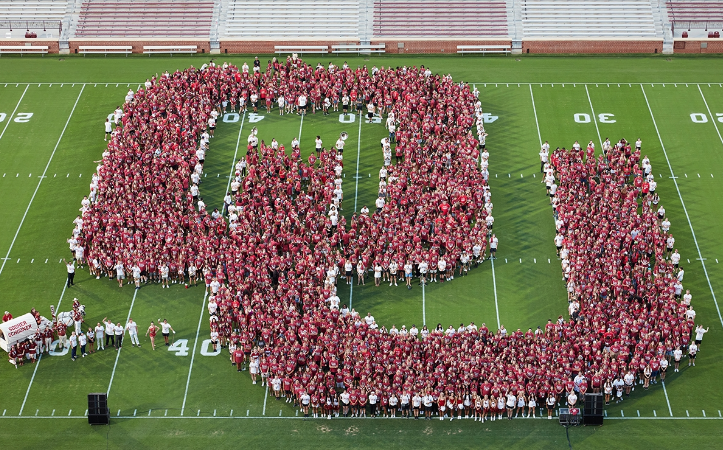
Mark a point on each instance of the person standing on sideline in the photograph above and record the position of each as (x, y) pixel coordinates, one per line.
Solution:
(73, 345)
(91, 340)
(132, 329)
(493, 247)
(119, 331)
(109, 332)
(82, 341)
(99, 331)
(699, 332)
(152, 330)
(108, 129)
(165, 329)
(71, 272)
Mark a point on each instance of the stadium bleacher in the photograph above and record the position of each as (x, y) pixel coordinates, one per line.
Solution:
(134, 19)
(459, 18)
(589, 18)
(294, 19)
(690, 15)
(21, 15)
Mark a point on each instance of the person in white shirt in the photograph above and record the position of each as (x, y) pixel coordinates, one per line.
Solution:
(677, 356)
(165, 329)
(119, 331)
(120, 273)
(543, 159)
(699, 332)
(99, 330)
(369, 319)
(687, 297)
(493, 246)
(675, 258)
(132, 329)
(692, 351)
(380, 204)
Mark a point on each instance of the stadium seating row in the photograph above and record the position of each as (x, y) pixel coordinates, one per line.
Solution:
(362, 20)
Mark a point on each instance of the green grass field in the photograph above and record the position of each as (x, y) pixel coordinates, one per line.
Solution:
(675, 105)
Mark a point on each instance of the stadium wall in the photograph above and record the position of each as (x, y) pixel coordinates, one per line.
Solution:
(137, 44)
(698, 46)
(591, 46)
(409, 46)
(53, 46)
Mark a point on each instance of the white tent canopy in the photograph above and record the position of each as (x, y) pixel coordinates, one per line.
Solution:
(17, 330)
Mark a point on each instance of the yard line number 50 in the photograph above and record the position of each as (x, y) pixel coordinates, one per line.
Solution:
(703, 118)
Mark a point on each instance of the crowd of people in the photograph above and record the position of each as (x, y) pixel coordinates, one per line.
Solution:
(272, 263)
(66, 332)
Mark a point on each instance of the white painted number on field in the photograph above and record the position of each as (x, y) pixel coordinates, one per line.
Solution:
(253, 118)
(230, 117)
(582, 118)
(489, 118)
(111, 117)
(206, 349)
(347, 118)
(53, 352)
(699, 118)
(19, 117)
(377, 119)
(23, 117)
(180, 347)
(718, 115)
(606, 118)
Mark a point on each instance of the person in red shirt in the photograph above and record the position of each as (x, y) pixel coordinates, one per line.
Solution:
(7, 317)
(152, 330)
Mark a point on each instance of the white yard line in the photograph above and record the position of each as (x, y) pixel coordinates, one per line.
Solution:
(40, 182)
(57, 310)
(424, 307)
(534, 109)
(10, 117)
(710, 114)
(594, 117)
(358, 154)
(235, 153)
(665, 391)
(301, 125)
(193, 355)
(494, 287)
(356, 193)
(682, 203)
(266, 396)
(107, 393)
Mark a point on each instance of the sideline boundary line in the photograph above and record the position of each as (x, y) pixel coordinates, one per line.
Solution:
(40, 181)
(10, 117)
(682, 203)
(141, 417)
(57, 309)
(107, 393)
(193, 354)
(534, 110)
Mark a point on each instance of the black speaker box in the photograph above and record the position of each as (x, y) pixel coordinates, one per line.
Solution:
(98, 413)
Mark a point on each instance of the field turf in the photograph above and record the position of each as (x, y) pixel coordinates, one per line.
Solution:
(674, 104)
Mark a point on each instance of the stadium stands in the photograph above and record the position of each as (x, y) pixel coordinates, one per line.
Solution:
(292, 19)
(425, 19)
(133, 19)
(21, 15)
(589, 18)
(690, 15)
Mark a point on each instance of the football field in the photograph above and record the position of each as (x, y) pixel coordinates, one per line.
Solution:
(51, 136)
